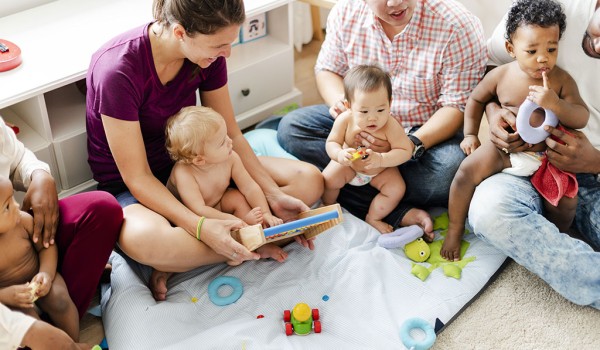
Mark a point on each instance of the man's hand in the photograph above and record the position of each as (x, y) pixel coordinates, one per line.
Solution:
(501, 121)
(369, 141)
(41, 197)
(338, 108)
(577, 155)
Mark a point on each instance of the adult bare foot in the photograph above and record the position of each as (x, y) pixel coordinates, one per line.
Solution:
(419, 217)
(158, 284)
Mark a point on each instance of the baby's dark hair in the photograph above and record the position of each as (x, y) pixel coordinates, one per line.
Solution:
(366, 78)
(543, 13)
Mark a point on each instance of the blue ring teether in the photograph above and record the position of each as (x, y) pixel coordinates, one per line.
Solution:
(233, 282)
(409, 341)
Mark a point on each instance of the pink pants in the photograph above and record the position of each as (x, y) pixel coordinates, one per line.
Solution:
(88, 228)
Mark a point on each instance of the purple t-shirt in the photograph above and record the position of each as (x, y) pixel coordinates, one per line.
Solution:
(122, 83)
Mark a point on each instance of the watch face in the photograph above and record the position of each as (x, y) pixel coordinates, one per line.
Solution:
(419, 150)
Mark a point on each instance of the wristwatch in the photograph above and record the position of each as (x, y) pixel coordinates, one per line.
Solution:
(419, 148)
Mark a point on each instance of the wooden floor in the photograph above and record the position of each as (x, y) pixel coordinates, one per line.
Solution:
(91, 329)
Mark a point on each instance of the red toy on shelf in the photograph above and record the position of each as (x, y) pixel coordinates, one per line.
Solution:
(10, 55)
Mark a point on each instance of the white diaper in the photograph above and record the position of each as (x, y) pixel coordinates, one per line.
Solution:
(524, 163)
(361, 179)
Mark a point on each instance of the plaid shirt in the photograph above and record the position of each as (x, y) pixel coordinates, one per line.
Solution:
(435, 62)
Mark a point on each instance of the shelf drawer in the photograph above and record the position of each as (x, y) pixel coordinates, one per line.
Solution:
(262, 82)
(71, 158)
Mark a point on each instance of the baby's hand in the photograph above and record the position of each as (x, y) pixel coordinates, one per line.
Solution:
(45, 283)
(469, 144)
(374, 159)
(543, 96)
(344, 156)
(17, 296)
(271, 220)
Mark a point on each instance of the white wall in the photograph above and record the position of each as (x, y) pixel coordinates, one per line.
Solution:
(8, 7)
(490, 12)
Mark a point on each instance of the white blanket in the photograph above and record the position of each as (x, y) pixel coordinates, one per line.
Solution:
(363, 292)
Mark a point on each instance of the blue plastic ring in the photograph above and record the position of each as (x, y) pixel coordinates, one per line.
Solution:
(412, 343)
(233, 282)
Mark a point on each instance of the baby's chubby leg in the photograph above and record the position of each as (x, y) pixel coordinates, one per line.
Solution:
(563, 214)
(391, 188)
(335, 176)
(61, 309)
(484, 162)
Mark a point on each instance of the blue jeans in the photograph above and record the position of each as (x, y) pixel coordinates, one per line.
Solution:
(303, 133)
(506, 211)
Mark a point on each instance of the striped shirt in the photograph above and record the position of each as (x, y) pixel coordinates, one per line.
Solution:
(434, 62)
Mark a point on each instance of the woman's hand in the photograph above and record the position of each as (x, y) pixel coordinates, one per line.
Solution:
(217, 235)
(287, 208)
(369, 141)
(576, 155)
(501, 121)
(42, 198)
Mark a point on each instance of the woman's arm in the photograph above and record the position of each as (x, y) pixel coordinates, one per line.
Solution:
(127, 147)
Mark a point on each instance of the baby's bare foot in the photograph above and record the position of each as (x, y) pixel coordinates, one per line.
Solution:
(254, 216)
(381, 226)
(451, 247)
(272, 251)
(419, 217)
(158, 284)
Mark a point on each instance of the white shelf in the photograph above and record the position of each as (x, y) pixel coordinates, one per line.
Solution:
(57, 40)
(26, 134)
(66, 108)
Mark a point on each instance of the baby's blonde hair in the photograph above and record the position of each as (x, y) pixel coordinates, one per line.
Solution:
(188, 130)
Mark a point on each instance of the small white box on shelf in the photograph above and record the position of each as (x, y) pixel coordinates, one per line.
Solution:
(254, 28)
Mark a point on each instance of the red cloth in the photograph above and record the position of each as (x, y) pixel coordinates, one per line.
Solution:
(553, 183)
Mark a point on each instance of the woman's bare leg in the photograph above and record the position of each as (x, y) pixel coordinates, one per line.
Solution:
(149, 239)
(298, 179)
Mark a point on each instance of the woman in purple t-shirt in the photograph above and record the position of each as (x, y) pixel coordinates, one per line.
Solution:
(135, 83)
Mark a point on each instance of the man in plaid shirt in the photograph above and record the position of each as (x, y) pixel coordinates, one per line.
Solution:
(434, 51)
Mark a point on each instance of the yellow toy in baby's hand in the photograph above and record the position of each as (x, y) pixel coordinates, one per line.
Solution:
(34, 288)
(361, 153)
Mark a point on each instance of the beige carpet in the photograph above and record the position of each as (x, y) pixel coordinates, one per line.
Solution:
(520, 311)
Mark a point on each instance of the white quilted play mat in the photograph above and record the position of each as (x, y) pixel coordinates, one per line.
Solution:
(364, 294)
